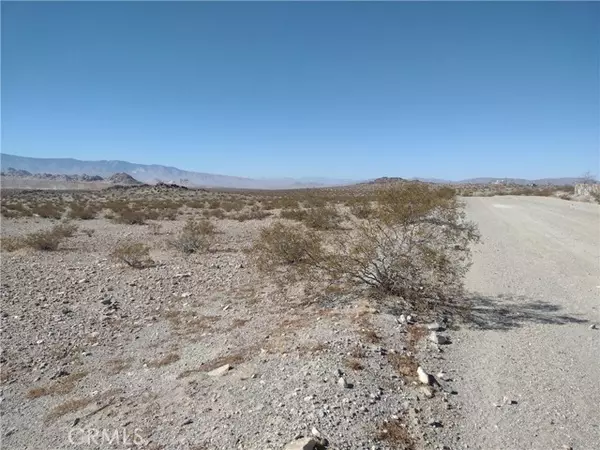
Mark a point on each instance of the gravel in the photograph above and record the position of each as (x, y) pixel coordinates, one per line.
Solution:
(195, 352)
(535, 290)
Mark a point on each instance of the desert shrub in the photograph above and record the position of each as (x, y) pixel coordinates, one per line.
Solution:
(195, 237)
(14, 210)
(12, 243)
(82, 211)
(236, 205)
(48, 210)
(216, 213)
(293, 214)
(196, 204)
(319, 218)
(136, 255)
(253, 214)
(361, 210)
(132, 217)
(415, 245)
(287, 245)
(314, 200)
(65, 229)
(50, 240)
(322, 218)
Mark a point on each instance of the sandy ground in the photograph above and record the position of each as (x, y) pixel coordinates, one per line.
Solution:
(536, 294)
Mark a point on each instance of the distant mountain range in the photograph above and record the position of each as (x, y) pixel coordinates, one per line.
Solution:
(155, 173)
(166, 174)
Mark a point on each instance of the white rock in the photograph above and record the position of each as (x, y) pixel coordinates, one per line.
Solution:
(426, 391)
(426, 378)
(301, 444)
(342, 382)
(435, 326)
(438, 338)
(185, 295)
(316, 433)
(219, 371)
(593, 326)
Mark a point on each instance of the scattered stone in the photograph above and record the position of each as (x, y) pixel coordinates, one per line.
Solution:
(219, 371)
(316, 433)
(435, 326)
(301, 444)
(185, 295)
(342, 382)
(426, 378)
(438, 338)
(593, 326)
(434, 423)
(426, 391)
(442, 376)
(187, 422)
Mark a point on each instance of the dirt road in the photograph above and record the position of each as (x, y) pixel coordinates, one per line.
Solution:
(527, 370)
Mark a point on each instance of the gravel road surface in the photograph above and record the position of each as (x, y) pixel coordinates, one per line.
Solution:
(528, 367)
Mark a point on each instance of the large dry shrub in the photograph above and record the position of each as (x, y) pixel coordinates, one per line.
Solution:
(281, 245)
(415, 244)
(195, 237)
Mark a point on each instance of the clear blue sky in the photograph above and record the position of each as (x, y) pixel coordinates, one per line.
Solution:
(343, 90)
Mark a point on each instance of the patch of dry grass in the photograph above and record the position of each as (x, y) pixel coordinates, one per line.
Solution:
(78, 404)
(353, 364)
(396, 434)
(60, 386)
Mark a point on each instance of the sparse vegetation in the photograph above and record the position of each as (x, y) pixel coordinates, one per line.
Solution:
(396, 434)
(48, 240)
(82, 211)
(195, 237)
(287, 245)
(136, 255)
(415, 245)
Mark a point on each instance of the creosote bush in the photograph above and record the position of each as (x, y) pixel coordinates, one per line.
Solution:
(136, 255)
(195, 237)
(48, 240)
(282, 245)
(414, 244)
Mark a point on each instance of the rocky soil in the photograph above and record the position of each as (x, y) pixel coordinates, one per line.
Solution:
(202, 352)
